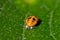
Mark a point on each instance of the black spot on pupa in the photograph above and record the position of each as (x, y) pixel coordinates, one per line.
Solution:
(34, 19)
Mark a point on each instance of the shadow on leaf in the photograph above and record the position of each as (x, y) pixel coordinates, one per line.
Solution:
(39, 22)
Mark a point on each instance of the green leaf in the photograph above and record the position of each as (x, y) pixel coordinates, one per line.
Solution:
(13, 14)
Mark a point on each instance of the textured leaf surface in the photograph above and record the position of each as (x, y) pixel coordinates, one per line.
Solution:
(14, 12)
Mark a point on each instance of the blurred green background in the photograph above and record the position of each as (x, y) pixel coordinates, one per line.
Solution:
(14, 12)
